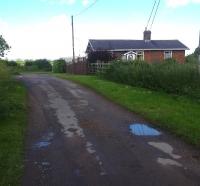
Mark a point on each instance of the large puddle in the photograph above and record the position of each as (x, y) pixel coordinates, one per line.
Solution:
(143, 130)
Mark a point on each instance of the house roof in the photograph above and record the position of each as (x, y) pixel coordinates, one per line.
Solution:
(128, 45)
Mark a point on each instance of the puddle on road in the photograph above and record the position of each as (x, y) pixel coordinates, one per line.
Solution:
(44, 163)
(90, 148)
(44, 142)
(143, 130)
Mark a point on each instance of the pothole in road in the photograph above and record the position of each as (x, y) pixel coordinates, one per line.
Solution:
(143, 130)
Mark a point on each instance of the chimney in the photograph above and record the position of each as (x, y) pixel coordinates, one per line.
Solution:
(147, 35)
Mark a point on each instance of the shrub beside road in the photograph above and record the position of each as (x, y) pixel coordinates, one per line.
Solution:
(13, 118)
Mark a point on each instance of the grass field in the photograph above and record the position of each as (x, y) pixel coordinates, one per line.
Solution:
(177, 114)
(12, 126)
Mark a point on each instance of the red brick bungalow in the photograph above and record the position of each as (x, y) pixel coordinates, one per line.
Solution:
(146, 49)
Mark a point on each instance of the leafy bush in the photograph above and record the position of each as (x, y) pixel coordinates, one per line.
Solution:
(7, 86)
(12, 63)
(192, 58)
(169, 76)
(59, 66)
(14, 67)
(29, 65)
(37, 65)
(43, 64)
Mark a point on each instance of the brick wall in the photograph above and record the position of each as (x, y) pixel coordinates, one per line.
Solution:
(153, 56)
(158, 56)
(179, 56)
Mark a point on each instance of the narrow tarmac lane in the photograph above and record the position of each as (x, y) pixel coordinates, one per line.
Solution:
(77, 138)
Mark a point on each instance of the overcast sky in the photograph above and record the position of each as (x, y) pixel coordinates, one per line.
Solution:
(41, 28)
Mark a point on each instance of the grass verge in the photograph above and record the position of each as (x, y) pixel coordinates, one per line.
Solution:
(12, 127)
(177, 114)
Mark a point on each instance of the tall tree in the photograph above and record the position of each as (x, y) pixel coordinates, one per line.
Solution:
(3, 46)
(197, 51)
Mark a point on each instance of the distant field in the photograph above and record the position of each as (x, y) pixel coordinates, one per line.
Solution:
(177, 114)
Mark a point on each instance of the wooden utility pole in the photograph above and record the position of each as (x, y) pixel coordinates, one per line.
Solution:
(199, 52)
(73, 60)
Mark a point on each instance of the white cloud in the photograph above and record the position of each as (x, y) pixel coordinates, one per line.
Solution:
(176, 3)
(85, 2)
(52, 39)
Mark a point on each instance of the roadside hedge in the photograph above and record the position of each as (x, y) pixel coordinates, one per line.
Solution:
(38, 65)
(59, 66)
(168, 76)
(7, 86)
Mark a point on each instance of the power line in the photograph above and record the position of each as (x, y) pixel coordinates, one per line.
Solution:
(151, 14)
(155, 14)
(85, 9)
(72, 20)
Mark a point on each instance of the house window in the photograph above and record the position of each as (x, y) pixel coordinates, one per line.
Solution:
(167, 54)
(132, 55)
(140, 55)
(129, 56)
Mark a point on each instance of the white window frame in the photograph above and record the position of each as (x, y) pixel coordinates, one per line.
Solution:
(128, 54)
(136, 54)
(140, 53)
(167, 54)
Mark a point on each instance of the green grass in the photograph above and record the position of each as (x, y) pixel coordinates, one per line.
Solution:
(12, 141)
(177, 114)
(12, 126)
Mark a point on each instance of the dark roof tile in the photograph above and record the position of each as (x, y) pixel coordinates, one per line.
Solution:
(137, 44)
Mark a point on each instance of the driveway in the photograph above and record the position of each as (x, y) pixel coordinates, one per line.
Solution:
(78, 138)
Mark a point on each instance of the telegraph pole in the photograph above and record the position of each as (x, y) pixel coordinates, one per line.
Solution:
(199, 49)
(72, 20)
(199, 52)
(73, 60)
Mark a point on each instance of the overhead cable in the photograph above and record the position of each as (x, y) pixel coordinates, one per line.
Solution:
(151, 14)
(155, 14)
(85, 9)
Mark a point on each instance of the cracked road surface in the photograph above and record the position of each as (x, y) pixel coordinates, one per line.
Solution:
(78, 138)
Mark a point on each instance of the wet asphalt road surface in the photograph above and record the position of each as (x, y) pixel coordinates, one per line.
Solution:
(77, 138)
